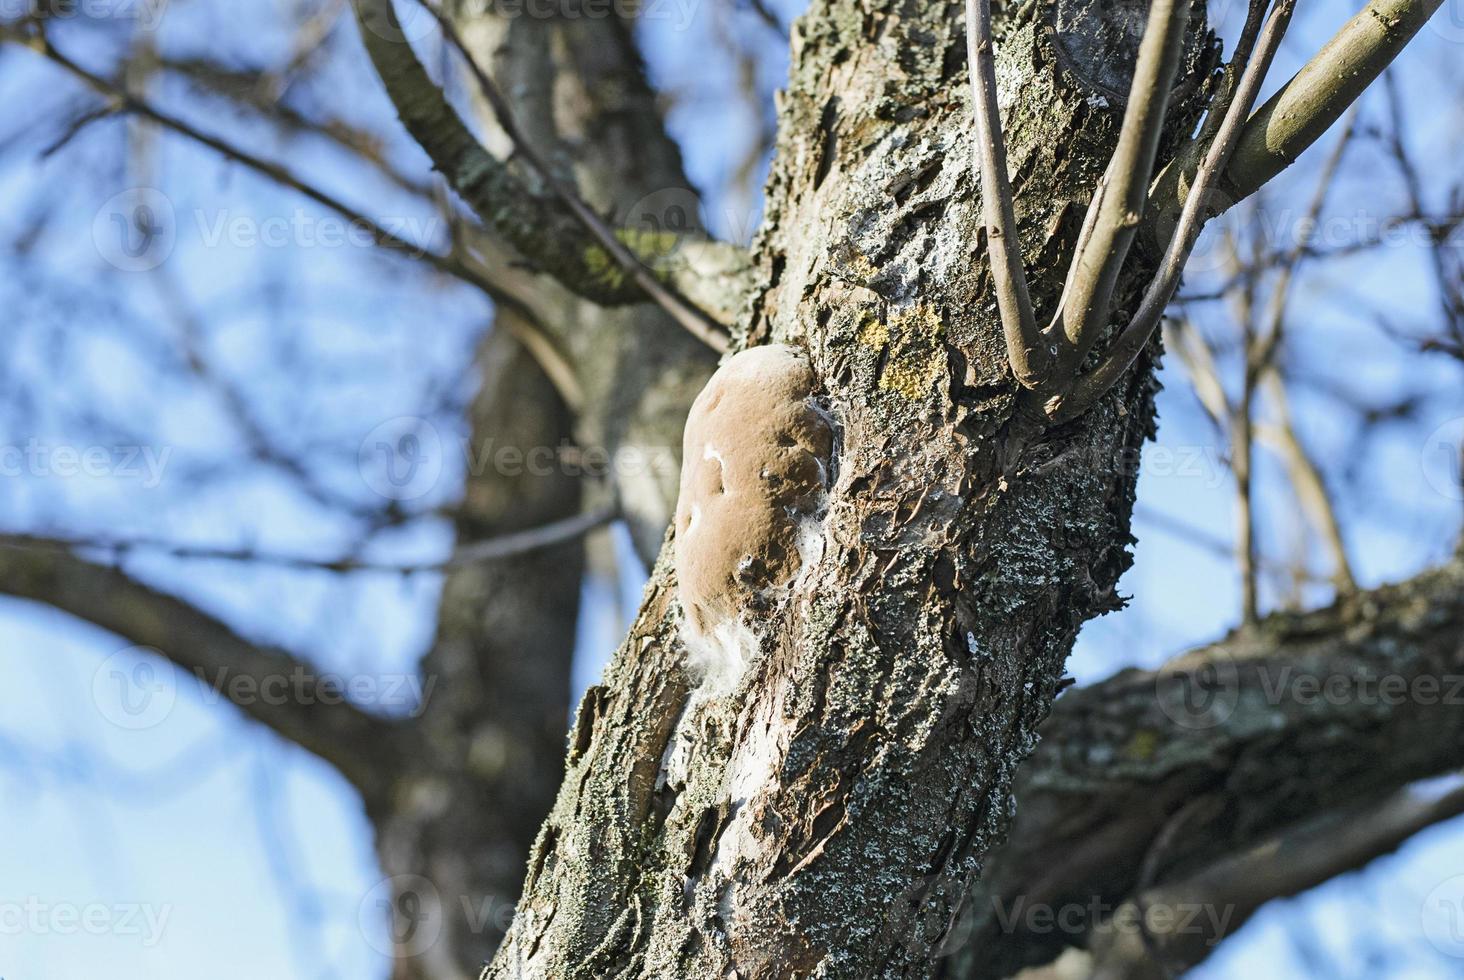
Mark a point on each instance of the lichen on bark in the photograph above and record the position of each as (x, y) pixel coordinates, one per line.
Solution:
(828, 817)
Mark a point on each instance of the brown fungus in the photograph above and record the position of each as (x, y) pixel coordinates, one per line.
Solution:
(754, 471)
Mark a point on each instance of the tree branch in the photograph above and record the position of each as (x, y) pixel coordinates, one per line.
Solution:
(1119, 199)
(1027, 352)
(242, 87)
(691, 319)
(1305, 107)
(315, 716)
(1306, 479)
(552, 237)
(1198, 208)
(1232, 889)
(507, 545)
(1278, 724)
(529, 332)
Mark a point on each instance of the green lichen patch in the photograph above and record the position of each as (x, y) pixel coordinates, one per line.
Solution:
(917, 355)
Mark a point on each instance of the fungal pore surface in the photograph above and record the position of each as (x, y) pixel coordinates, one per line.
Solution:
(754, 479)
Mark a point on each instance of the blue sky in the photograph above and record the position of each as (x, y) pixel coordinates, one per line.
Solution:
(198, 842)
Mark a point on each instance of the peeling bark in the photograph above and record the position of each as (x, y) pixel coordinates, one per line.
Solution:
(827, 818)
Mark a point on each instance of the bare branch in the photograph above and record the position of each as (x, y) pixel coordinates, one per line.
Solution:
(1182, 337)
(1306, 479)
(126, 101)
(694, 321)
(553, 362)
(1118, 202)
(1196, 211)
(1259, 369)
(1199, 537)
(1306, 106)
(247, 88)
(1242, 463)
(320, 721)
(1274, 324)
(1304, 856)
(1446, 279)
(553, 238)
(1245, 46)
(492, 549)
(1027, 352)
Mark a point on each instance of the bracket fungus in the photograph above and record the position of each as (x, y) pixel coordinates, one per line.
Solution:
(754, 479)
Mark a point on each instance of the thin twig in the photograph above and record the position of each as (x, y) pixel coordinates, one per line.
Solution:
(1274, 323)
(1245, 46)
(478, 552)
(1195, 353)
(243, 87)
(1260, 368)
(1445, 279)
(535, 340)
(1306, 480)
(1196, 211)
(765, 14)
(680, 309)
(1242, 462)
(1118, 202)
(1027, 352)
(1199, 537)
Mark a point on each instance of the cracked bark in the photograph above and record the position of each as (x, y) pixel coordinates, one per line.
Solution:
(1269, 727)
(827, 818)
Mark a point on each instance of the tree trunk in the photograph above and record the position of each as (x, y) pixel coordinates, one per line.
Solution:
(454, 829)
(456, 837)
(580, 94)
(828, 817)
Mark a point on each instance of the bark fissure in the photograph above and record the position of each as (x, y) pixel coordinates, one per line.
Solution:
(866, 760)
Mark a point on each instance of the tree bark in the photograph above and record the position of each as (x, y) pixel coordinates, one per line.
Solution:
(828, 817)
(1309, 716)
(460, 837)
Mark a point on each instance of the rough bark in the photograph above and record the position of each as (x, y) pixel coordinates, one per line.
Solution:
(505, 632)
(1305, 716)
(828, 816)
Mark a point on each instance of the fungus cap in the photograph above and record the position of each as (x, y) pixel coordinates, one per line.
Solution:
(755, 458)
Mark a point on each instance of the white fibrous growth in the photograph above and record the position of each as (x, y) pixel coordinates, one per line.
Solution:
(754, 478)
